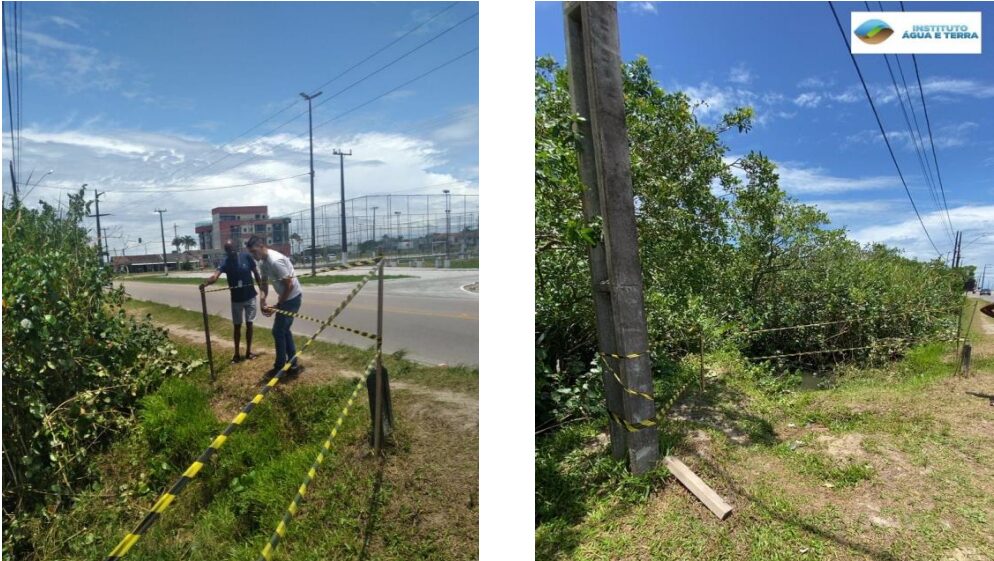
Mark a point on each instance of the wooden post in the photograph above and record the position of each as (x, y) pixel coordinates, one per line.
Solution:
(207, 331)
(965, 359)
(702, 360)
(596, 88)
(378, 405)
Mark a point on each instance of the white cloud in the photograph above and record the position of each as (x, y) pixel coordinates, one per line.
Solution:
(947, 136)
(798, 180)
(64, 22)
(640, 7)
(739, 74)
(808, 99)
(120, 160)
(908, 234)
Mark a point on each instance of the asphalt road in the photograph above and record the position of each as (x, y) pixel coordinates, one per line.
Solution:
(430, 317)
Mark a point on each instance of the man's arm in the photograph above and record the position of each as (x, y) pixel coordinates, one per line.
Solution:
(211, 279)
(287, 287)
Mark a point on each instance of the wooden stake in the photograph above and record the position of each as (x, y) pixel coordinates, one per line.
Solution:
(378, 425)
(594, 61)
(698, 487)
(207, 332)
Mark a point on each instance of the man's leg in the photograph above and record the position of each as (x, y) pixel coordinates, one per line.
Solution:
(248, 340)
(279, 339)
(236, 318)
(292, 306)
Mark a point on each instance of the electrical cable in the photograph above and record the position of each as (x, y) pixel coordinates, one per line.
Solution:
(883, 133)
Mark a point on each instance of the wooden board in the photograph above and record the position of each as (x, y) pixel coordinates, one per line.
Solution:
(698, 487)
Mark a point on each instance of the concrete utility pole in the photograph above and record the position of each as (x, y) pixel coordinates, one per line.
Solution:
(594, 63)
(310, 128)
(162, 229)
(341, 168)
(983, 275)
(13, 179)
(100, 245)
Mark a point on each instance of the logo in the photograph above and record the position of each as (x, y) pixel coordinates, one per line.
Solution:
(873, 31)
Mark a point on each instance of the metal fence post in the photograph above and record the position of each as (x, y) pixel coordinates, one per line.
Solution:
(378, 405)
(207, 332)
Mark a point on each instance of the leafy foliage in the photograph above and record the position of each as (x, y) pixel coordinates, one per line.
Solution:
(723, 250)
(74, 365)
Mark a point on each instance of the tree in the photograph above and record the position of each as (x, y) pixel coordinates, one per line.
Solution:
(188, 242)
(177, 242)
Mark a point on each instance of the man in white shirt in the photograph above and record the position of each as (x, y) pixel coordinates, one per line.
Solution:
(277, 269)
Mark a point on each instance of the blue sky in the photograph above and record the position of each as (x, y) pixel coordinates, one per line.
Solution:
(142, 95)
(789, 62)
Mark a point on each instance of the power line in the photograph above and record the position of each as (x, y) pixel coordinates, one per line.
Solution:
(883, 133)
(361, 105)
(336, 77)
(931, 139)
(346, 88)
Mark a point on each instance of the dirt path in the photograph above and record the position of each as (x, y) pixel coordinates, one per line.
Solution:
(238, 381)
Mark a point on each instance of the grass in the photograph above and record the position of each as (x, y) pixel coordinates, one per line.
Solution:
(306, 280)
(419, 503)
(892, 463)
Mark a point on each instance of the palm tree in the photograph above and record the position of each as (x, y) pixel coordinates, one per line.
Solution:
(188, 242)
(177, 241)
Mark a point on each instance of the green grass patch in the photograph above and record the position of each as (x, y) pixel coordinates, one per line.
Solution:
(356, 507)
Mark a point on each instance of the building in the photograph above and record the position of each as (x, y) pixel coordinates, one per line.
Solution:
(153, 262)
(239, 223)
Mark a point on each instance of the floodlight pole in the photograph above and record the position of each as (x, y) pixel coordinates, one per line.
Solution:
(341, 167)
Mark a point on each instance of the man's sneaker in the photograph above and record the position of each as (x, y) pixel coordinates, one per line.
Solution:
(295, 370)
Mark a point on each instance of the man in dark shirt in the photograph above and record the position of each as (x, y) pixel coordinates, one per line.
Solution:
(239, 268)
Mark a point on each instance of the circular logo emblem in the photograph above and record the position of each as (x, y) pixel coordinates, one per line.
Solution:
(873, 31)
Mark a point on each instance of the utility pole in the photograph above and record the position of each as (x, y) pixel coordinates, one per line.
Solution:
(13, 179)
(165, 266)
(341, 168)
(310, 128)
(447, 213)
(983, 275)
(594, 64)
(956, 251)
(375, 245)
(100, 244)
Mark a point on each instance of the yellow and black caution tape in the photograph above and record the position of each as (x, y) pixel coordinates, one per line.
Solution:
(663, 410)
(280, 533)
(191, 472)
(624, 388)
(358, 332)
(629, 355)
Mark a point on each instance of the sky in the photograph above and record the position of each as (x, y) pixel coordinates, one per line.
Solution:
(789, 62)
(148, 101)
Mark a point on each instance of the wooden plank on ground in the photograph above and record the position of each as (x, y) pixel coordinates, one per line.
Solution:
(698, 487)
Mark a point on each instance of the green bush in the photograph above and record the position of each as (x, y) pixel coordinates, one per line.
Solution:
(74, 365)
(723, 250)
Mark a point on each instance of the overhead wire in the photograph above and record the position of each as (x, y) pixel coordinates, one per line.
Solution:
(350, 68)
(883, 133)
(917, 141)
(931, 139)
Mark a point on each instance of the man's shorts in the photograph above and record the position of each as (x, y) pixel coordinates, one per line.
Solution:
(247, 307)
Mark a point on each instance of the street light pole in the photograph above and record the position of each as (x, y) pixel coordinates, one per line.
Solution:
(310, 129)
(162, 230)
(341, 168)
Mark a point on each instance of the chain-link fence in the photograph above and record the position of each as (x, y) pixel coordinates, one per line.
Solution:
(402, 225)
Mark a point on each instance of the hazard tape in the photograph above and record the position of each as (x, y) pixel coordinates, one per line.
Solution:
(624, 388)
(280, 533)
(662, 412)
(629, 355)
(772, 329)
(358, 332)
(191, 472)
